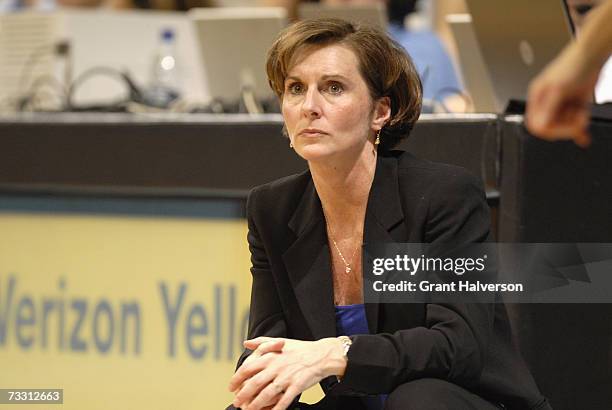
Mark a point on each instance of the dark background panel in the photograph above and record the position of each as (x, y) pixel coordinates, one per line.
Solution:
(557, 192)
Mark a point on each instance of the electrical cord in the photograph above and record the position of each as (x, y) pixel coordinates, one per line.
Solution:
(40, 102)
(61, 48)
(135, 94)
(22, 99)
(31, 62)
(45, 87)
(44, 81)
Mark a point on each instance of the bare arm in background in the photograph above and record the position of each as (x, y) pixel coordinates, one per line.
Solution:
(559, 97)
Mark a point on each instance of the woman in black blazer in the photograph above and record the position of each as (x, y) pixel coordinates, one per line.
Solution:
(348, 94)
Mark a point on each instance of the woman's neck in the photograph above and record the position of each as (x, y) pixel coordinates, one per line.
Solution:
(343, 185)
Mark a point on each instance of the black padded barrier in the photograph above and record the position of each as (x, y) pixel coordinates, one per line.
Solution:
(557, 192)
(218, 155)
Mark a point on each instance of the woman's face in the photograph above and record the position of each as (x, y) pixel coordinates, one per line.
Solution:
(327, 105)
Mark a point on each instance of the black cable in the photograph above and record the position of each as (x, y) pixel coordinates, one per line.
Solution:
(134, 92)
(39, 97)
(63, 49)
(31, 62)
(40, 82)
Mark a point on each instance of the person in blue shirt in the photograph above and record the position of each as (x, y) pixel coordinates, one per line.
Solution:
(440, 81)
(431, 59)
(8, 6)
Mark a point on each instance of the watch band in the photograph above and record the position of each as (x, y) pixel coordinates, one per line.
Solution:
(346, 344)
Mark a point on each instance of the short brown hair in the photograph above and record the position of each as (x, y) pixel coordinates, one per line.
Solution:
(385, 66)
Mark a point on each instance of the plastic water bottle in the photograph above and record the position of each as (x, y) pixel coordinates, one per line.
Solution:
(165, 77)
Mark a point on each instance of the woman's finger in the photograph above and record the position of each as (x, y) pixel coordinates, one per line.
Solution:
(253, 343)
(246, 371)
(285, 401)
(269, 395)
(253, 388)
(275, 345)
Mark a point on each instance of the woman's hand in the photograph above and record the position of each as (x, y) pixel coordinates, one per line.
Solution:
(280, 369)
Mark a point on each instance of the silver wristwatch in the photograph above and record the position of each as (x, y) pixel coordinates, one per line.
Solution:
(346, 344)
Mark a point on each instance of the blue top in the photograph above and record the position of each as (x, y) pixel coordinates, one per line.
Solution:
(431, 60)
(351, 320)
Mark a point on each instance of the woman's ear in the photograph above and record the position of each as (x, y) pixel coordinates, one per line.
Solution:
(382, 113)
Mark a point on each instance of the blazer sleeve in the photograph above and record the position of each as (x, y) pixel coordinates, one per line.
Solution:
(266, 316)
(453, 341)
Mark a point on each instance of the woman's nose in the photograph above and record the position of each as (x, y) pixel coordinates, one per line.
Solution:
(311, 106)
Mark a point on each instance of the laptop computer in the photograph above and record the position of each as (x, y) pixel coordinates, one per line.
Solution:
(28, 52)
(368, 14)
(517, 40)
(473, 70)
(234, 42)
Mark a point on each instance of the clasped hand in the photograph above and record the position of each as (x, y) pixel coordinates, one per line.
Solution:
(279, 369)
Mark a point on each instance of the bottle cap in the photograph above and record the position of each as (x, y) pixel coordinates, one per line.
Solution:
(167, 34)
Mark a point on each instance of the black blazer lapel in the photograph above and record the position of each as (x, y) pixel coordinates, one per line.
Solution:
(383, 221)
(308, 265)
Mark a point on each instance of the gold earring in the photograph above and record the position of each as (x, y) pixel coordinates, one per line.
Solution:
(377, 141)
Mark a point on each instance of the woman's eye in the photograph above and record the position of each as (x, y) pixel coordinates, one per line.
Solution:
(295, 88)
(335, 88)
